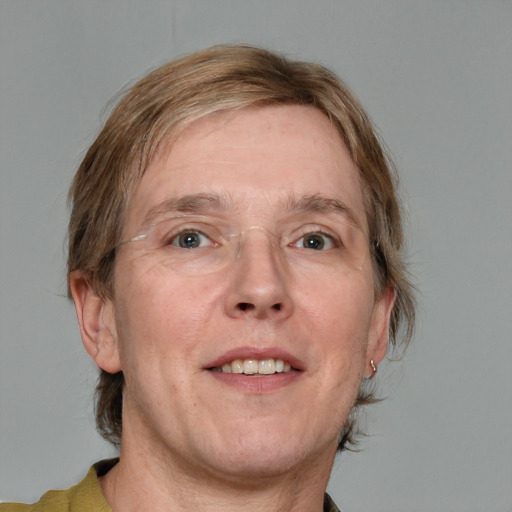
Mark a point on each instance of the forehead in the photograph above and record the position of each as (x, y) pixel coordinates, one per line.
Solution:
(254, 157)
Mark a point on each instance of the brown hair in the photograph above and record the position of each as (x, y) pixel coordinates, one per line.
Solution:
(159, 106)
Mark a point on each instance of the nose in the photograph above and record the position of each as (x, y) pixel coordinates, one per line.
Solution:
(259, 281)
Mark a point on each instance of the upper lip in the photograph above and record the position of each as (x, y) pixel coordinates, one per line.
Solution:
(256, 353)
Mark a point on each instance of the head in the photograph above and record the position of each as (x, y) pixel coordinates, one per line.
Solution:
(160, 107)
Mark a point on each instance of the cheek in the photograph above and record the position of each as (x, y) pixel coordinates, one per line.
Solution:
(160, 313)
(336, 317)
(343, 301)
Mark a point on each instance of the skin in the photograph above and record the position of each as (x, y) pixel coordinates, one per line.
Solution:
(194, 439)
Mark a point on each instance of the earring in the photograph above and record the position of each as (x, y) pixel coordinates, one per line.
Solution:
(372, 364)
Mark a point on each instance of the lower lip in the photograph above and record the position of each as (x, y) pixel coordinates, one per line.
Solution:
(257, 384)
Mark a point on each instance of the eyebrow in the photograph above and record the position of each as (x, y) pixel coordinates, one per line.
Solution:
(202, 203)
(192, 203)
(321, 204)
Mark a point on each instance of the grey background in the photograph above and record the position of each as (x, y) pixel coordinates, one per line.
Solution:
(435, 76)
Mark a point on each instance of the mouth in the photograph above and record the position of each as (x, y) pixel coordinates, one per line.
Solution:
(255, 367)
(256, 371)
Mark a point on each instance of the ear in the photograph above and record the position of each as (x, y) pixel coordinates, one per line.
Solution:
(379, 329)
(97, 323)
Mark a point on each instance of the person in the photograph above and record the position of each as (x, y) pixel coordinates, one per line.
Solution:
(235, 261)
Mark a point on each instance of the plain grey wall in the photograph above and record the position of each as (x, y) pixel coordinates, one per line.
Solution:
(435, 76)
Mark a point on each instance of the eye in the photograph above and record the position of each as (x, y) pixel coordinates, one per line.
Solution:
(191, 240)
(315, 241)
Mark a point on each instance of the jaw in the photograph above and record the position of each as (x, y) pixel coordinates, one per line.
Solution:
(253, 470)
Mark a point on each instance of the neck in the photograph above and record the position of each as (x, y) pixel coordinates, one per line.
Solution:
(145, 480)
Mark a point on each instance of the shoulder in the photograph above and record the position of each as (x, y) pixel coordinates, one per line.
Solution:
(83, 497)
(54, 501)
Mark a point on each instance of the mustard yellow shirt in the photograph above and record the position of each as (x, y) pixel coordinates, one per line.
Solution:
(87, 496)
(83, 497)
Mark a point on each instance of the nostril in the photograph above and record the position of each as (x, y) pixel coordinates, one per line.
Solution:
(245, 306)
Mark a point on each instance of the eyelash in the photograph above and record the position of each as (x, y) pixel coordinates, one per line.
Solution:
(173, 238)
(333, 241)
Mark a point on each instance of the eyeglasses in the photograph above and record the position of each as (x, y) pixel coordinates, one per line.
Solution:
(197, 245)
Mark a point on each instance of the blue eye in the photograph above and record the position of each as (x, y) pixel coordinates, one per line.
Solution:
(315, 241)
(191, 240)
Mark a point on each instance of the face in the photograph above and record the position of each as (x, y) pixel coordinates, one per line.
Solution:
(237, 263)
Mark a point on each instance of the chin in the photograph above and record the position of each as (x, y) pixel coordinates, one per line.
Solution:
(260, 455)
(260, 465)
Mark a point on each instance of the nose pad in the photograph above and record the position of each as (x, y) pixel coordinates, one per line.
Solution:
(259, 284)
(273, 238)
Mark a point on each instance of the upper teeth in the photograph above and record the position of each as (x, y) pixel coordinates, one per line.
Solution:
(255, 366)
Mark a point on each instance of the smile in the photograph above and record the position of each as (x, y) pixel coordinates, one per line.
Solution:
(268, 366)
